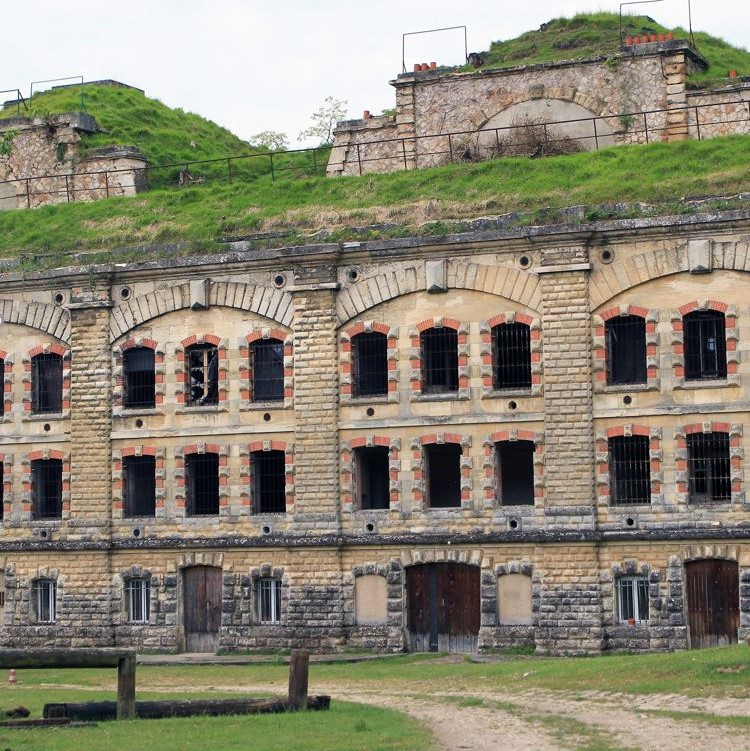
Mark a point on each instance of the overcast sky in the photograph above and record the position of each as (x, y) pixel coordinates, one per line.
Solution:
(253, 65)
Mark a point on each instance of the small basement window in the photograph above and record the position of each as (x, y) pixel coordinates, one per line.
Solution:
(625, 338)
(202, 483)
(372, 477)
(139, 485)
(370, 364)
(2, 490)
(511, 356)
(139, 378)
(44, 600)
(46, 489)
(632, 599)
(269, 482)
(443, 473)
(138, 600)
(439, 360)
(515, 468)
(269, 600)
(46, 383)
(268, 370)
(203, 375)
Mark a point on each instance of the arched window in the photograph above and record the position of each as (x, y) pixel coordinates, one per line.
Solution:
(443, 474)
(625, 338)
(269, 482)
(370, 364)
(632, 599)
(709, 467)
(202, 374)
(267, 367)
(515, 471)
(439, 360)
(511, 356)
(202, 484)
(705, 341)
(629, 469)
(46, 488)
(46, 383)
(139, 388)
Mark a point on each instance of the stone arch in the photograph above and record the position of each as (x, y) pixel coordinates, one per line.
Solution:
(51, 319)
(703, 552)
(186, 560)
(513, 284)
(271, 303)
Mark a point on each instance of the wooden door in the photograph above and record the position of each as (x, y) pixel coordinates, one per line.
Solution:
(443, 607)
(713, 602)
(202, 608)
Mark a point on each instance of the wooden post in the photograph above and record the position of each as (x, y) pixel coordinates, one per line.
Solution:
(298, 673)
(126, 688)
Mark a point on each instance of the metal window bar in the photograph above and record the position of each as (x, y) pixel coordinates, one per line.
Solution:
(269, 600)
(46, 383)
(138, 600)
(139, 485)
(2, 387)
(625, 341)
(372, 477)
(632, 599)
(629, 470)
(139, 378)
(439, 360)
(705, 345)
(370, 364)
(46, 488)
(268, 370)
(203, 375)
(511, 356)
(2, 490)
(515, 469)
(202, 483)
(269, 482)
(443, 475)
(45, 600)
(709, 467)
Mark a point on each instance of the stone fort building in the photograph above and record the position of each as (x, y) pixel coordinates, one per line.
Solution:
(503, 437)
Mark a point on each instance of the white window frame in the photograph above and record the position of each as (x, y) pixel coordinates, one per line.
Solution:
(268, 600)
(627, 588)
(138, 600)
(45, 600)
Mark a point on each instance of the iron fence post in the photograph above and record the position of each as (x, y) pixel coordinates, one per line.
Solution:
(229, 170)
(596, 137)
(273, 176)
(28, 194)
(67, 190)
(645, 126)
(403, 151)
(315, 162)
(450, 147)
(359, 160)
(106, 183)
(697, 124)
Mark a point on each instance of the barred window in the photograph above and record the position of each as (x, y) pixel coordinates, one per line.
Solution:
(705, 342)
(44, 600)
(629, 469)
(2, 387)
(2, 589)
(139, 389)
(267, 357)
(139, 485)
(632, 599)
(443, 475)
(625, 338)
(511, 356)
(2, 490)
(515, 469)
(46, 489)
(439, 360)
(709, 469)
(138, 600)
(203, 375)
(202, 484)
(370, 364)
(269, 600)
(372, 477)
(46, 383)
(269, 482)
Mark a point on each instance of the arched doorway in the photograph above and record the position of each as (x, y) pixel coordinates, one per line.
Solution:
(201, 602)
(443, 607)
(713, 602)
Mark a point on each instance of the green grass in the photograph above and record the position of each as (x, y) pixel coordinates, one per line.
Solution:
(420, 202)
(597, 34)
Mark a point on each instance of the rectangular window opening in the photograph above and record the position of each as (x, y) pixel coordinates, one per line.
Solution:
(370, 364)
(439, 361)
(138, 600)
(2, 490)
(511, 356)
(140, 378)
(203, 375)
(202, 482)
(139, 485)
(46, 383)
(269, 600)
(626, 350)
(632, 599)
(630, 469)
(705, 345)
(269, 482)
(443, 473)
(268, 370)
(709, 467)
(45, 600)
(372, 477)
(516, 472)
(46, 488)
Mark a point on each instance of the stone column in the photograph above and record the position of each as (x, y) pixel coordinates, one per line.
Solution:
(675, 73)
(90, 412)
(405, 121)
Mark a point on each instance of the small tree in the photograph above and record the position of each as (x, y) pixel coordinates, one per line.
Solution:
(324, 121)
(270, 139)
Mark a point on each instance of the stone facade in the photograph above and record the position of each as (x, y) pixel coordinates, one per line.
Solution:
(572, 542)
(637, 95)
(43, 164)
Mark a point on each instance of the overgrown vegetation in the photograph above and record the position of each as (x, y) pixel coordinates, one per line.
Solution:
(596, 34)
(376, 206)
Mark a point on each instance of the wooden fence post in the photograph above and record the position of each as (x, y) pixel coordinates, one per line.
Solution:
(126, 688)
(298, 673)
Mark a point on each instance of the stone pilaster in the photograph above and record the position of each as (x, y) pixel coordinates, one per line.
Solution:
(675, 74)
(406, 122)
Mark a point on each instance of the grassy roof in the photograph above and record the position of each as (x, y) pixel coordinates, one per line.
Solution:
(596, 34)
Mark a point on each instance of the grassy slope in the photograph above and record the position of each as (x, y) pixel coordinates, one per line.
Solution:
(659, 172)
(594, 34)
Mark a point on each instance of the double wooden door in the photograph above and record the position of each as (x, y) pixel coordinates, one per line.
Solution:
(713, 602)
(443, 607)
(202, 608)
